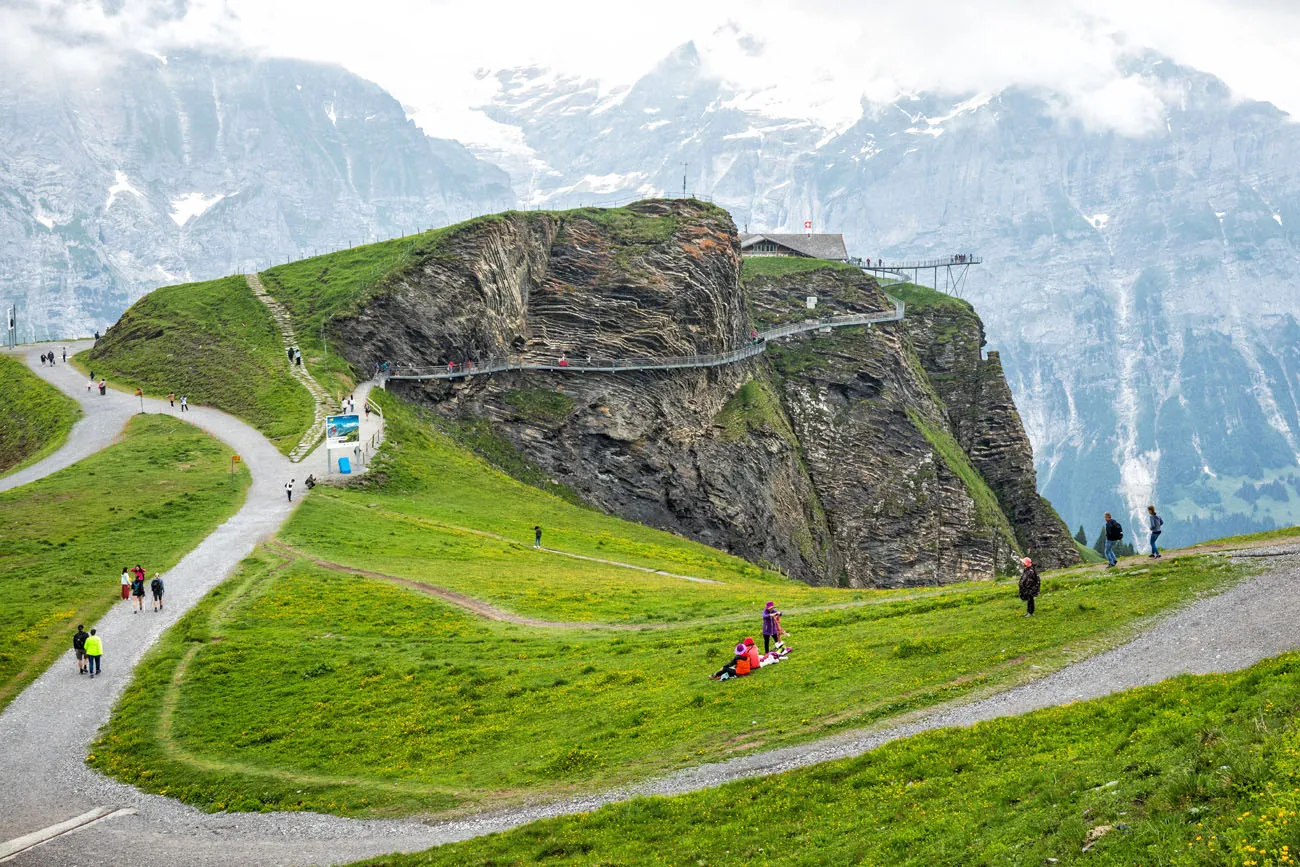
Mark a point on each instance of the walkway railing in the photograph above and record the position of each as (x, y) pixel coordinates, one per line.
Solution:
(618, 365)
(865, 264)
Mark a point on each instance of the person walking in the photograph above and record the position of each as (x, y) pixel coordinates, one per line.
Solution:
(126, 584)
(171, 399)
(94, 650)
(137, 594)
(156, 588)
(65, 355)
(1156, 524)
(79, 647)
(185, 403)
(1114, 533)
(288, 489)
(537, 537)
(1029, 585)
(103, 387)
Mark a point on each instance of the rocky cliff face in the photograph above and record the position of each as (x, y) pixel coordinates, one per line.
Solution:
(1141, 287)
(831, 457)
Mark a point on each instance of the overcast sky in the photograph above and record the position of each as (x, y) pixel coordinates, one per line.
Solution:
(815, 59)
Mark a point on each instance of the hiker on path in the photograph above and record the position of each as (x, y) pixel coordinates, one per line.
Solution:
(185, 403)
(297, 357)
(103, 387)
(537, 537)
(771, 626)
(156, 588)
(1114, 533)
(288, 489)
(366, 406)
(126, 583)
(137, 594)
(1029, 585)
(1156, 524)
(79, 647)
(94, 650)
(65, 355)
(171, 398)
(90, 385)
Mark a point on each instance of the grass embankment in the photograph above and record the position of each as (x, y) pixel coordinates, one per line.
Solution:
(914, 295)
(298, 687)
(147, 499)
(779, 266)
(36, 419)
(1191, 771)
(217, 344)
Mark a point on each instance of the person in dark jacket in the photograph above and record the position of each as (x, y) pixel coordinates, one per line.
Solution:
(79, 647)
(1029, 584)
(1114, 533)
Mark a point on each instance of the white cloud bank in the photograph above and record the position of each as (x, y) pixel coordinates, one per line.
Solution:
(816, 60)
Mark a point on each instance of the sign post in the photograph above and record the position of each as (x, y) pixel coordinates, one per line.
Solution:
(341, 431)
(139, 392)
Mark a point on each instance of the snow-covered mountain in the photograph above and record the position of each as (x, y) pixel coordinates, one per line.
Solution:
(1142, 289)
(170, 169)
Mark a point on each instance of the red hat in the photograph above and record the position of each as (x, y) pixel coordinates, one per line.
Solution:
(1026, 562)
(748, 641)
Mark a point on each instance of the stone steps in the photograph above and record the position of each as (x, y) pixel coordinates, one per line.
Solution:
(324, 403)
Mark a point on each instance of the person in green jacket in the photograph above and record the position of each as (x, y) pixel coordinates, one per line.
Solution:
(94, 650)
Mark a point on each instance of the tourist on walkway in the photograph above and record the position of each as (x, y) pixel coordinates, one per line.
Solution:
(103, 387)
(94, 650)
(771, 626)
(126, 583)
(537, 537)
(1029, 585)
(65, 354)
(288, 489)
(171, 399)
(79, 647)
(185, 403)
(137, 594)
(156, 588)
(1113, 532)
(1156, 524)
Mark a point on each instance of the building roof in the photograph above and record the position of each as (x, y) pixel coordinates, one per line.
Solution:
(816, 246)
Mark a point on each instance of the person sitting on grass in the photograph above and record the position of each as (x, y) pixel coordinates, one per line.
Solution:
(738, 667)
(758, 660)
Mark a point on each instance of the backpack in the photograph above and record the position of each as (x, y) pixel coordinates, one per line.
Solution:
(1119, 530)
(156, 585)
(1159, 522)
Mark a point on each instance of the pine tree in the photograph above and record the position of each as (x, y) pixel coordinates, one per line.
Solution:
(1081, 537)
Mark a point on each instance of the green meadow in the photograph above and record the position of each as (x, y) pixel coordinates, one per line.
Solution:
(300, 684)
(149, 498)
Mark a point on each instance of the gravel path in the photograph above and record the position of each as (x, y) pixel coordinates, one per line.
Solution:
(45, 732)
(101, 422)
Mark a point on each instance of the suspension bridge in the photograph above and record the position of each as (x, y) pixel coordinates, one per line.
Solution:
(757, 346)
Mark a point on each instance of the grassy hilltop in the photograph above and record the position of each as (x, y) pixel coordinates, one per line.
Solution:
(214, 342)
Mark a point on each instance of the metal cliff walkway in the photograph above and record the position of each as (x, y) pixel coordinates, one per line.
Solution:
(619, 365)
(954, 268)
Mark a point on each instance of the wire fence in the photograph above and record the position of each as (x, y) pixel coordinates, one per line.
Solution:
(564, 364)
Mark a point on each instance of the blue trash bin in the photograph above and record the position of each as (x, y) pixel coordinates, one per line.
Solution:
(345, 465)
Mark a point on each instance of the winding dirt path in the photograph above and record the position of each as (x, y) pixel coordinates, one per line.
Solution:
(45, 732)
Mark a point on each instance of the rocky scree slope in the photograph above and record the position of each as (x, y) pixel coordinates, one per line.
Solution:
(833, 458)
